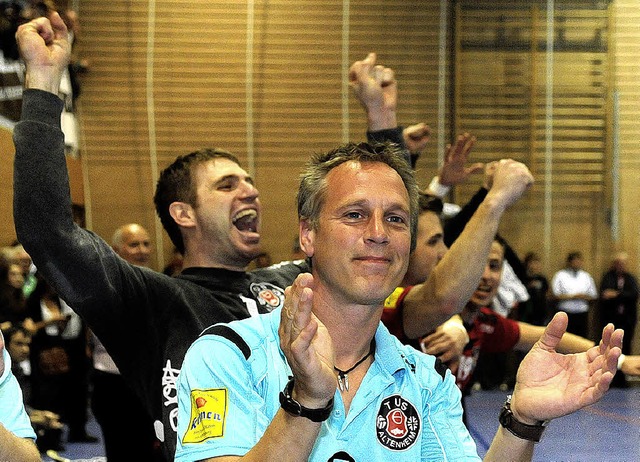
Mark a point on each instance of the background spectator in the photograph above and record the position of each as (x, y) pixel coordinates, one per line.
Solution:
(574, 289)
(618, 303)
(60, 361)
(46, 424)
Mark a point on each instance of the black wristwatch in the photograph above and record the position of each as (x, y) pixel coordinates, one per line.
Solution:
(295, 408)
(521, 430)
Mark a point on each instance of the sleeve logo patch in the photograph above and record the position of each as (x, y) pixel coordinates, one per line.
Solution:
(268, 295)
(208, 413)
(392, 300)
(397, 424)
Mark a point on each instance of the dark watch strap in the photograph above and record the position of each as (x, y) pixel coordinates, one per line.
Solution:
(519, 429)
(295, 408)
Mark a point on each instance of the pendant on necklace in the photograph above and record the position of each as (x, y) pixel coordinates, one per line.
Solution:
(343, 381)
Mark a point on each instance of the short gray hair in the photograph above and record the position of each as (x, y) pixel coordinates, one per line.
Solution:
(313, 185)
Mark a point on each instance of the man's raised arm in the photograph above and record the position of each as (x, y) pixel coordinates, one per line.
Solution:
(456, 276)
(68, 256)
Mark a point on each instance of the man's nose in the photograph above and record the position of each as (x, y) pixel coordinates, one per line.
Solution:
(377, 229)
(248, 191)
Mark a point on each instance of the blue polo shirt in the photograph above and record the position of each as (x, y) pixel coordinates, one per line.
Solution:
(12, 412)
(406, 408)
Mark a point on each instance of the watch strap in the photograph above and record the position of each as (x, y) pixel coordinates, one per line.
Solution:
(517, 428)
(293, 407)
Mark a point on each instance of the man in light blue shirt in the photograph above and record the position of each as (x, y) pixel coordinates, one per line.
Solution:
(404, 407)
(321, 380)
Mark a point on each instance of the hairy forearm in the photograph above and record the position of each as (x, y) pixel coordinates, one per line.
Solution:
(455, 277)
(380, 120)
(287, 438)
(506, 446)
(15, 448)
(42, 79)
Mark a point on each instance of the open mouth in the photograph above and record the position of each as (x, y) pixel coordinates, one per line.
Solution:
(246, 220)
(483, 290)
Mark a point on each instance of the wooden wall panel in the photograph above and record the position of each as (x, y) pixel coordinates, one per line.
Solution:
(627, 83)
(200, 86)
(7, 230)
(504, 106)
(296, 104)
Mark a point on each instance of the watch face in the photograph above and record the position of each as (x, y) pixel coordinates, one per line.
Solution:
(505, 417)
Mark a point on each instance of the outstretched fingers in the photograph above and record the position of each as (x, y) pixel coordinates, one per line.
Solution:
(461, 149)
(553, 332)
(603, 363)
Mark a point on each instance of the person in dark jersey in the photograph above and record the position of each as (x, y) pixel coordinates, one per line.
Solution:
(146, 320)
(132, 438)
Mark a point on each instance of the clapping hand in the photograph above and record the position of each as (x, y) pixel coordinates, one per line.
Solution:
(307, 345)
(551, 385)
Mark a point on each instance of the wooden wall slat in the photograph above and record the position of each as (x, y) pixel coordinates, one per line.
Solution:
(199, 89)
(200, 98)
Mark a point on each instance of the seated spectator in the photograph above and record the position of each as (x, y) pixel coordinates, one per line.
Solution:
(12, 301)
(60, 362)
(46, 424)
(20, 257)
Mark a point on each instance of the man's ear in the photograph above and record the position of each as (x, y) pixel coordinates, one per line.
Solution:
(182, 214)
(307, 237)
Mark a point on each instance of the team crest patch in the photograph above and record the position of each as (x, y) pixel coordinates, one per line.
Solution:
(397, 424)
(208, 412)
(268, 295)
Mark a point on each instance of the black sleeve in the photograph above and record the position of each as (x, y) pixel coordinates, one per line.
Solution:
(454, 226)
(392, 135)
(512, 257)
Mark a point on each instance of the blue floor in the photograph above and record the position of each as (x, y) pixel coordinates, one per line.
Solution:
(83, 452)
(606, 432)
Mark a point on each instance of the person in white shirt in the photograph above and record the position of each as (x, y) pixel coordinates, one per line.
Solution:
(574, 289)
